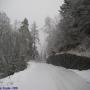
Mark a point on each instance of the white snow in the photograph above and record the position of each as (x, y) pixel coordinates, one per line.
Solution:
(41, 76)
(85, 74)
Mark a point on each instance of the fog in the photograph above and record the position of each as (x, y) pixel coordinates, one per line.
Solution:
(34, 10)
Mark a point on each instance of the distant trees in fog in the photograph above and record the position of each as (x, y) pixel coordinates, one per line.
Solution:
(72, 30)
(71, 33)
(35, 39)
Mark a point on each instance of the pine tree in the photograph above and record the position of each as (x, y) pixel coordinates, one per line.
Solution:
(26, 35)
(35, 36)
(75, 22)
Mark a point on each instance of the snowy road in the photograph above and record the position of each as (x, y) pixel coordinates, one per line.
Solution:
(40, 76)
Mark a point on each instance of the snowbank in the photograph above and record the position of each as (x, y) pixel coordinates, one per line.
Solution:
(85, 74)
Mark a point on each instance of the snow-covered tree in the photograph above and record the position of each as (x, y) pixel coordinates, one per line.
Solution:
(35, 36)
(26, 34)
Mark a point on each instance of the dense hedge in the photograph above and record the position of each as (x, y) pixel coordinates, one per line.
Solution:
(70, 61)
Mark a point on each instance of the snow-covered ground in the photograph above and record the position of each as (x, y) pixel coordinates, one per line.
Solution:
(85, 74)
(41, 76)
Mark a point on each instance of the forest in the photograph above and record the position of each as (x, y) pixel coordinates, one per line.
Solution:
(70, 37)
(17, 45)
(67, 33)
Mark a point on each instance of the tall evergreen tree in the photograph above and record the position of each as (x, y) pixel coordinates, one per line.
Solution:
(73, 26)
(26, 34)
(72, 31)
(35, 36)
(75, 22)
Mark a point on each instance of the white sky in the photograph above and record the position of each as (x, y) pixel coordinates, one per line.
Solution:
(34, 10)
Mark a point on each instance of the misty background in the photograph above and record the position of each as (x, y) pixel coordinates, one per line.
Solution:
(32, 9)
(52, 31)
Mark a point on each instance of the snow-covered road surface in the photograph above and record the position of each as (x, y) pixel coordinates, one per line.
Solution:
(41, 76)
